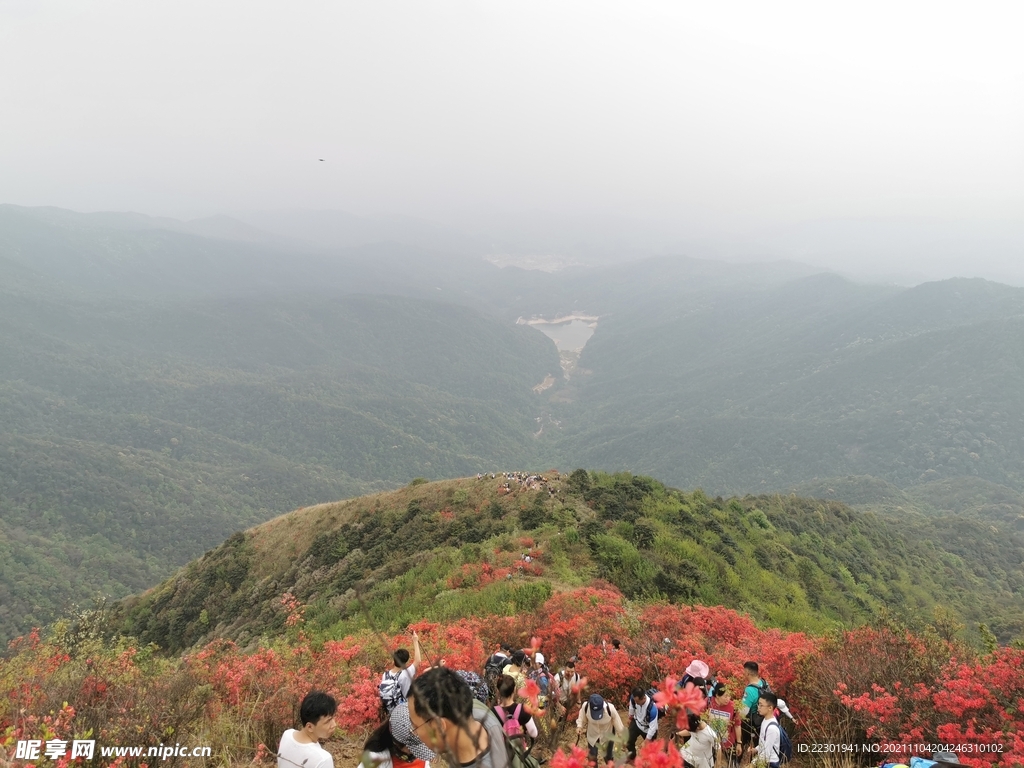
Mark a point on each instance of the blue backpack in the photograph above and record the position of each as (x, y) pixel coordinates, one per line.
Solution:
(785, 745)
(542, 677)
(662, 711)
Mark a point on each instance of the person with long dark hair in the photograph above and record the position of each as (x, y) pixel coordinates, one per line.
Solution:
(394, 745)
(699, 749)
(513, 714)
(449, 721)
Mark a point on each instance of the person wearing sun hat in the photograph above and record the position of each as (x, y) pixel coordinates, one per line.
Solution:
(697, 673)
(603, 725)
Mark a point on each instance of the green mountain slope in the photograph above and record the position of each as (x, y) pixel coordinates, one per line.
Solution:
(139, 436)
(161, 388)
(448, 549)
(819, 378)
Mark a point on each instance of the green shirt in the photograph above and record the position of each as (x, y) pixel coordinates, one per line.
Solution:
(751, 694)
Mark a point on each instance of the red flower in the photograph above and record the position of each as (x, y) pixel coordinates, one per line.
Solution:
(577, 758)
(658, 754)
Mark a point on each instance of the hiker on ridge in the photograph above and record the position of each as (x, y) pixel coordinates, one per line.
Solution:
(699, 750)
(394, 745)
(514, 718)
(495, 663)
(603, 726)
(749, 709)
(395, 683)
(643, 720)
(769, 743)
(516, 668)
(723, 709)
(565, 680)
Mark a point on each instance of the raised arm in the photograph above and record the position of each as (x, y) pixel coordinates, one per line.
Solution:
(417, 657)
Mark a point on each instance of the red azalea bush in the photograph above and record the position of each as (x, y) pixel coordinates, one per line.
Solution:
(869, 684)
(895, 687)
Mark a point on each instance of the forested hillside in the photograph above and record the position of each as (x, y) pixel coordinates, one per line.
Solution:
(443, 550)
(816, 379)
(136, 437)
(165, 384)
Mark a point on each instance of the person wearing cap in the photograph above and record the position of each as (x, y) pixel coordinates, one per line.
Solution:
(603, 725)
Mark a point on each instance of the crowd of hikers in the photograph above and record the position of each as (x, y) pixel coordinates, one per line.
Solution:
(522, 480)
(488, 719)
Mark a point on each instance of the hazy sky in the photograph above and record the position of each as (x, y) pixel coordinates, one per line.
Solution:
(706, 118)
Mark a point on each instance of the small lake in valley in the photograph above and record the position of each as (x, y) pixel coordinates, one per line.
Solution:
(569, 334)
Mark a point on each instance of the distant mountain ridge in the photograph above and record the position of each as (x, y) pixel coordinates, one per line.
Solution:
(291, 374)
(818, 379)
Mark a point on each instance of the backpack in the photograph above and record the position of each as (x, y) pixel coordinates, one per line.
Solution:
(543, 679)
(510, 723)
(390, 690)
(494, 664)
(518, 757)
(662, 711)
(492, 670)
(754, 717)
(785, 745)
(480, 690)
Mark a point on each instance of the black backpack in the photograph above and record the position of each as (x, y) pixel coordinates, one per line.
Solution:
(754, 717)
(652, 707)
(495, 664)
(492, 671)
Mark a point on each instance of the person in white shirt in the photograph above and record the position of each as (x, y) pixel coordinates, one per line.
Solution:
(699, 750)
(769, 745)
(395, 683)
(301, 748)
(643, 720)
(564, 681)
